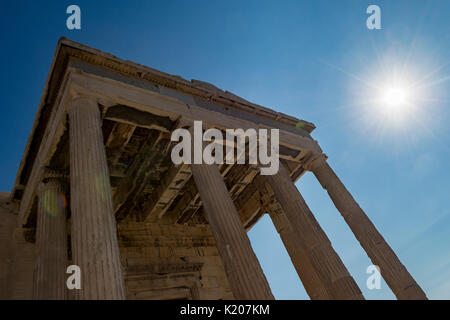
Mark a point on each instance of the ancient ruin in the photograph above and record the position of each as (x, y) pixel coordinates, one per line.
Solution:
(96, 188)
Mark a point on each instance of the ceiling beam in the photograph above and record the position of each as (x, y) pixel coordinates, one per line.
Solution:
(161, 199)
(117, 141)
(146, 163)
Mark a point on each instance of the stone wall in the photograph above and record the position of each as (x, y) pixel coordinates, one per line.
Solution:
(17, 257)
(159, 261)
(7, 226)
(171, 262)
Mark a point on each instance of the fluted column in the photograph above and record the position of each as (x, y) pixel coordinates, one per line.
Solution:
(242, 267)
(313, 285)
(325, 261)
(95, 247)
(393, 271)
(51, 242)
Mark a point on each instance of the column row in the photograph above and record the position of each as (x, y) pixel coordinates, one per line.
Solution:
(393, 271)
(94, 236)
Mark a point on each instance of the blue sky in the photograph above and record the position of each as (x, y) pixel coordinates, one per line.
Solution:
(315, 60)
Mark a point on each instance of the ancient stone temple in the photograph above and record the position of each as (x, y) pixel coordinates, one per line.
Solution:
(97, 188)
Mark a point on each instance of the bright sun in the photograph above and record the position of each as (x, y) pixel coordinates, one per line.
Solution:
(395, 102)
(395, 97)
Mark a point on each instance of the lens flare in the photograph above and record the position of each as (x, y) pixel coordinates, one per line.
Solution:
(53, 202)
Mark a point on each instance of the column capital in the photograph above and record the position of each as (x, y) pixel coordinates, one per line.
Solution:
(82, 101)
(53, 176)
(314, 161)
(184, 122)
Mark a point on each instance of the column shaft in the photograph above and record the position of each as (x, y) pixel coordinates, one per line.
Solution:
(51, 243)
(311, 282)
(393, 271)
(95, 247)
(242, 267)
(325, 261)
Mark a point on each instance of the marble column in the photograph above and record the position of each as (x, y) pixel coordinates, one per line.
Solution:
(325, 261)
(393, 271)
(242, 267)
(51, 242)
(95, 247)
(313, 285)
